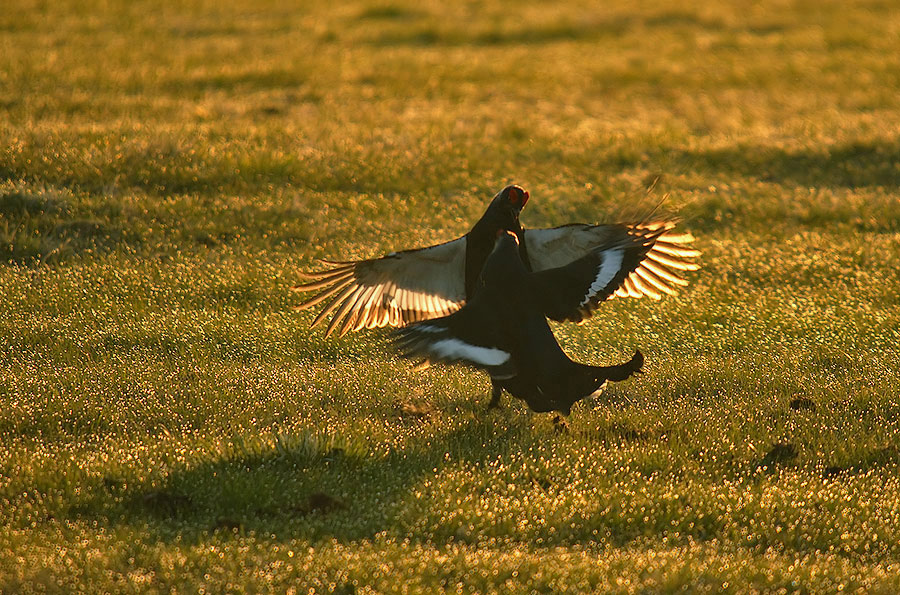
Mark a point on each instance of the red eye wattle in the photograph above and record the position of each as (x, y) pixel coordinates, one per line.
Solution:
(518, 196)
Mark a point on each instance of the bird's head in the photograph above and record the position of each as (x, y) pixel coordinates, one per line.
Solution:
(507, 204)
(502, 213)
(506, 235)
(506, 246)
(513, 197)
(516, 196)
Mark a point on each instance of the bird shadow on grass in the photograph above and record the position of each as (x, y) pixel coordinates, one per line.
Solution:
(311, 491)
(324, 491)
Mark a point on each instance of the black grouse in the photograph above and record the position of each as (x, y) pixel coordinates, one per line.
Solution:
(425, 283)
(503, 330)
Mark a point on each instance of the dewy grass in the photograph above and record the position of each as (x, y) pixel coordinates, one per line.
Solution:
(169, 423)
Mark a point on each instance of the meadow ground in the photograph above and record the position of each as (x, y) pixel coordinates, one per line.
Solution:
(169, 423)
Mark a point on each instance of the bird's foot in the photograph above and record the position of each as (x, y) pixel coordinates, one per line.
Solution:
(560, 425)
(496, 391)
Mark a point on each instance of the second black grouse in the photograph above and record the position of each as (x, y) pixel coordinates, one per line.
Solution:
(503, 330)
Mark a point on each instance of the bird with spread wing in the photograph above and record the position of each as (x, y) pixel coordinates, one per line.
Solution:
(410, 286)
(503, 328)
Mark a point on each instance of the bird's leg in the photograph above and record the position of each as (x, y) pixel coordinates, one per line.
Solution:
(560, 425)
(495, 395)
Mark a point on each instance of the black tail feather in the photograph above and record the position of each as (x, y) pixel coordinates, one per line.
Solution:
(622, 371)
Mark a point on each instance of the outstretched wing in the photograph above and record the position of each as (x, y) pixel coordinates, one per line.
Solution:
(467, 336)
(573, 292)
(658, 273)
(397, 289)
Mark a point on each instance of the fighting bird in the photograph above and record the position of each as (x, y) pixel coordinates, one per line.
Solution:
(502, 329)
(410, 286)
(413, 285)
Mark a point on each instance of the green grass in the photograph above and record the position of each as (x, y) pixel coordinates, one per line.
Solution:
(169, 423)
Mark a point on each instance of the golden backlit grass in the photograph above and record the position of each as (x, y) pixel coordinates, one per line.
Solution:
(167, 422)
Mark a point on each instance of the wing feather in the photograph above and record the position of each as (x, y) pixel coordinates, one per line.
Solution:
(659, 285)
(367, 315)
(344, 310)
(324, 295)
(318, 275)
(467, 336)
(333, 304)
(631, 289)
(662, 272)
(656, 273)
(323, 282)
(397, 289)
(357, 310)
(673, 263)
(645, 287)
(574, 291)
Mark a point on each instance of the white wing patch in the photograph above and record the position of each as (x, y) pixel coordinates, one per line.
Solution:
(658, 274)
(612, 262)
(453, 349)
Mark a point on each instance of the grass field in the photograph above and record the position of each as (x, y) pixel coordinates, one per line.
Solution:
(169, 424)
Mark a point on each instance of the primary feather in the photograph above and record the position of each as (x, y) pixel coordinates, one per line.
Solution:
(426, 283)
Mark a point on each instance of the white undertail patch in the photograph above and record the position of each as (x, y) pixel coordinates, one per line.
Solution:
(456, 349)
(598, 391)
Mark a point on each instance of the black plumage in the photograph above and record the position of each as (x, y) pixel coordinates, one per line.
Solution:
(503, 329)
(420, 284)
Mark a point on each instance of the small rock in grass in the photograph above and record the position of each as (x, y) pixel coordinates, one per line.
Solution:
(228, 524)
(833, 471)
(319, 502)
(781, 453)
(560, 425)
(114, 484)
(541, 483)
(803, 404)
(166, 503)
(420, 410)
